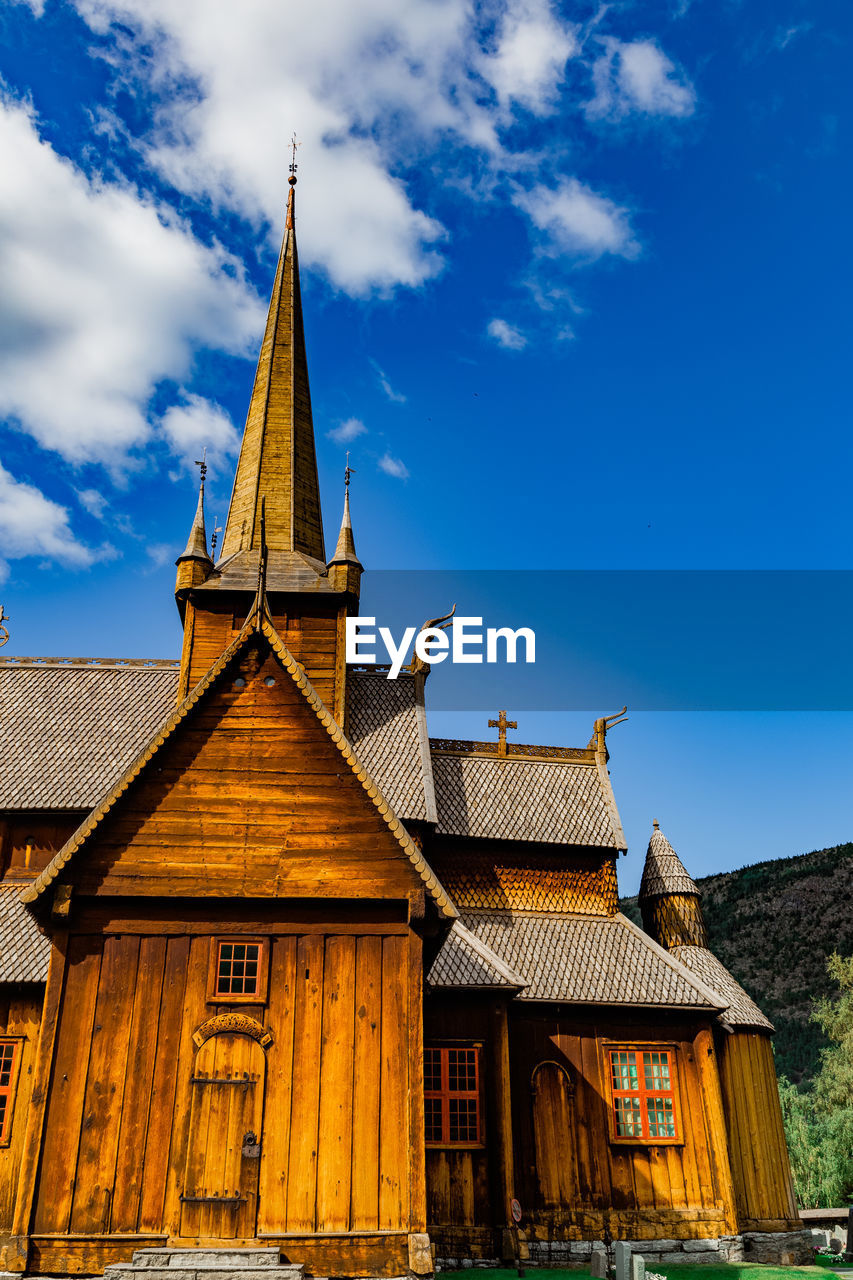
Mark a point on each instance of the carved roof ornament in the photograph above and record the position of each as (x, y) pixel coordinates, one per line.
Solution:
(598, 741)
(432, 624)
(502, 724)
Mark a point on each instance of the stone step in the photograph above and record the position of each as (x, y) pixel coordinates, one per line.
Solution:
(201, 1259)
(127, 1271)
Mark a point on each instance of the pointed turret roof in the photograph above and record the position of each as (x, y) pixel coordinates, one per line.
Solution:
(664, 872)
(277, 457)
(345, 549)
(196, 548)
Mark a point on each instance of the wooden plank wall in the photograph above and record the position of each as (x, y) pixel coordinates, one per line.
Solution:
(249, 797)
(764, 1190)
(333, 1157)
(309, 631)
(29, 840)
(20, 1015)
(641, 1192)
(465, 1195)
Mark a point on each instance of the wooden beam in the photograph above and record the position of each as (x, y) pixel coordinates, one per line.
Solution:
(38, 1103)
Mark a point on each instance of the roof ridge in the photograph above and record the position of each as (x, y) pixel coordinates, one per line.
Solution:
(297, 673)
(524, 750)
(148, 664)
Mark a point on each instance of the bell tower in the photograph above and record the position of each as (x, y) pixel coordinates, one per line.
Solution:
(309, 599)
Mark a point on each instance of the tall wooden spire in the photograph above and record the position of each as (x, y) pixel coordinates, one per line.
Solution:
(277, 458)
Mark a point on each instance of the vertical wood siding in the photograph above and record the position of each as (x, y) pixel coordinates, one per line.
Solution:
(337, 1100)
(761, 1171)
(20, 1015)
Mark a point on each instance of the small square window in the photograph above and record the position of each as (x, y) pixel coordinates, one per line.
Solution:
(238, 970)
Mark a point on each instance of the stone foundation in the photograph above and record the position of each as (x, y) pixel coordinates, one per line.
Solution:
(789, 1248)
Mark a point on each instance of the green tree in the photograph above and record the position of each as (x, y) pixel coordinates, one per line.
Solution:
(819, 1119)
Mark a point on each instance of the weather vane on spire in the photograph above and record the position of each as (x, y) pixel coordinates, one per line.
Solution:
(217, 529)
(201, 463)
(348, 471)
(293, 165)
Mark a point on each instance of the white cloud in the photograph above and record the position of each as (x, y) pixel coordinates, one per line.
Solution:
(393, 467)
(506, 335)
(529, 60)
(576, 220)
(396, 397)
(93, 501)
(348, 430)
(33, 525)
(638, 77)
(197, 424)
(784, 35)
(104, 295)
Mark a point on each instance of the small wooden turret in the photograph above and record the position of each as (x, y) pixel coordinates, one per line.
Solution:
(345, 568)
(194, 563)
(669, 899)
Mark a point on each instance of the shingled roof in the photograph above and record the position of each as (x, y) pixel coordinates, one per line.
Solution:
(741, 1011)
(24, 950)
(563, 797)
(664, 872)
(71, 726)
(590, 960)
(387, 727)
(465, 962)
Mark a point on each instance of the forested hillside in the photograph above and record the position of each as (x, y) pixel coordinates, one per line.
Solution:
(773, 925)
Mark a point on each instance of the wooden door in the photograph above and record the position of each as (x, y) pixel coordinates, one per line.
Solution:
(553, 1130)
(220, 1193)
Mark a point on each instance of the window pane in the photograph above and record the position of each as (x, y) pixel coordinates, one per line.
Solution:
(660, 1117)
(463, 1119)
(656, 1070)
(237, 971)
(624, 1067)
(432, 1069)
(462, 1070)
(7, 1057)
(628, 1118)
(432, 1116)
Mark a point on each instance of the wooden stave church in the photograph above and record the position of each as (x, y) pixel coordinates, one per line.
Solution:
(405, 901)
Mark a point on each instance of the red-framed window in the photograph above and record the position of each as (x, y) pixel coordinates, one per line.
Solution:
(452, 1096)
(238, 968)
(9, 1050)
(643, 1086)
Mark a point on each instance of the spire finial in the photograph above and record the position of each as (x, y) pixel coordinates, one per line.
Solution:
(214, 538)
(348, 471)
(655, 824)
(293, 165)
(201, 463)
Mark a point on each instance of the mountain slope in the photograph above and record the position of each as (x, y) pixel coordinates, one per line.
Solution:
(773, 925)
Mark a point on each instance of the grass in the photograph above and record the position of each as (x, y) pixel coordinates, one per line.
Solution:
(703, 1271)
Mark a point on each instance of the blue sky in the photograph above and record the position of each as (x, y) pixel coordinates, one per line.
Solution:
(576, 281)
